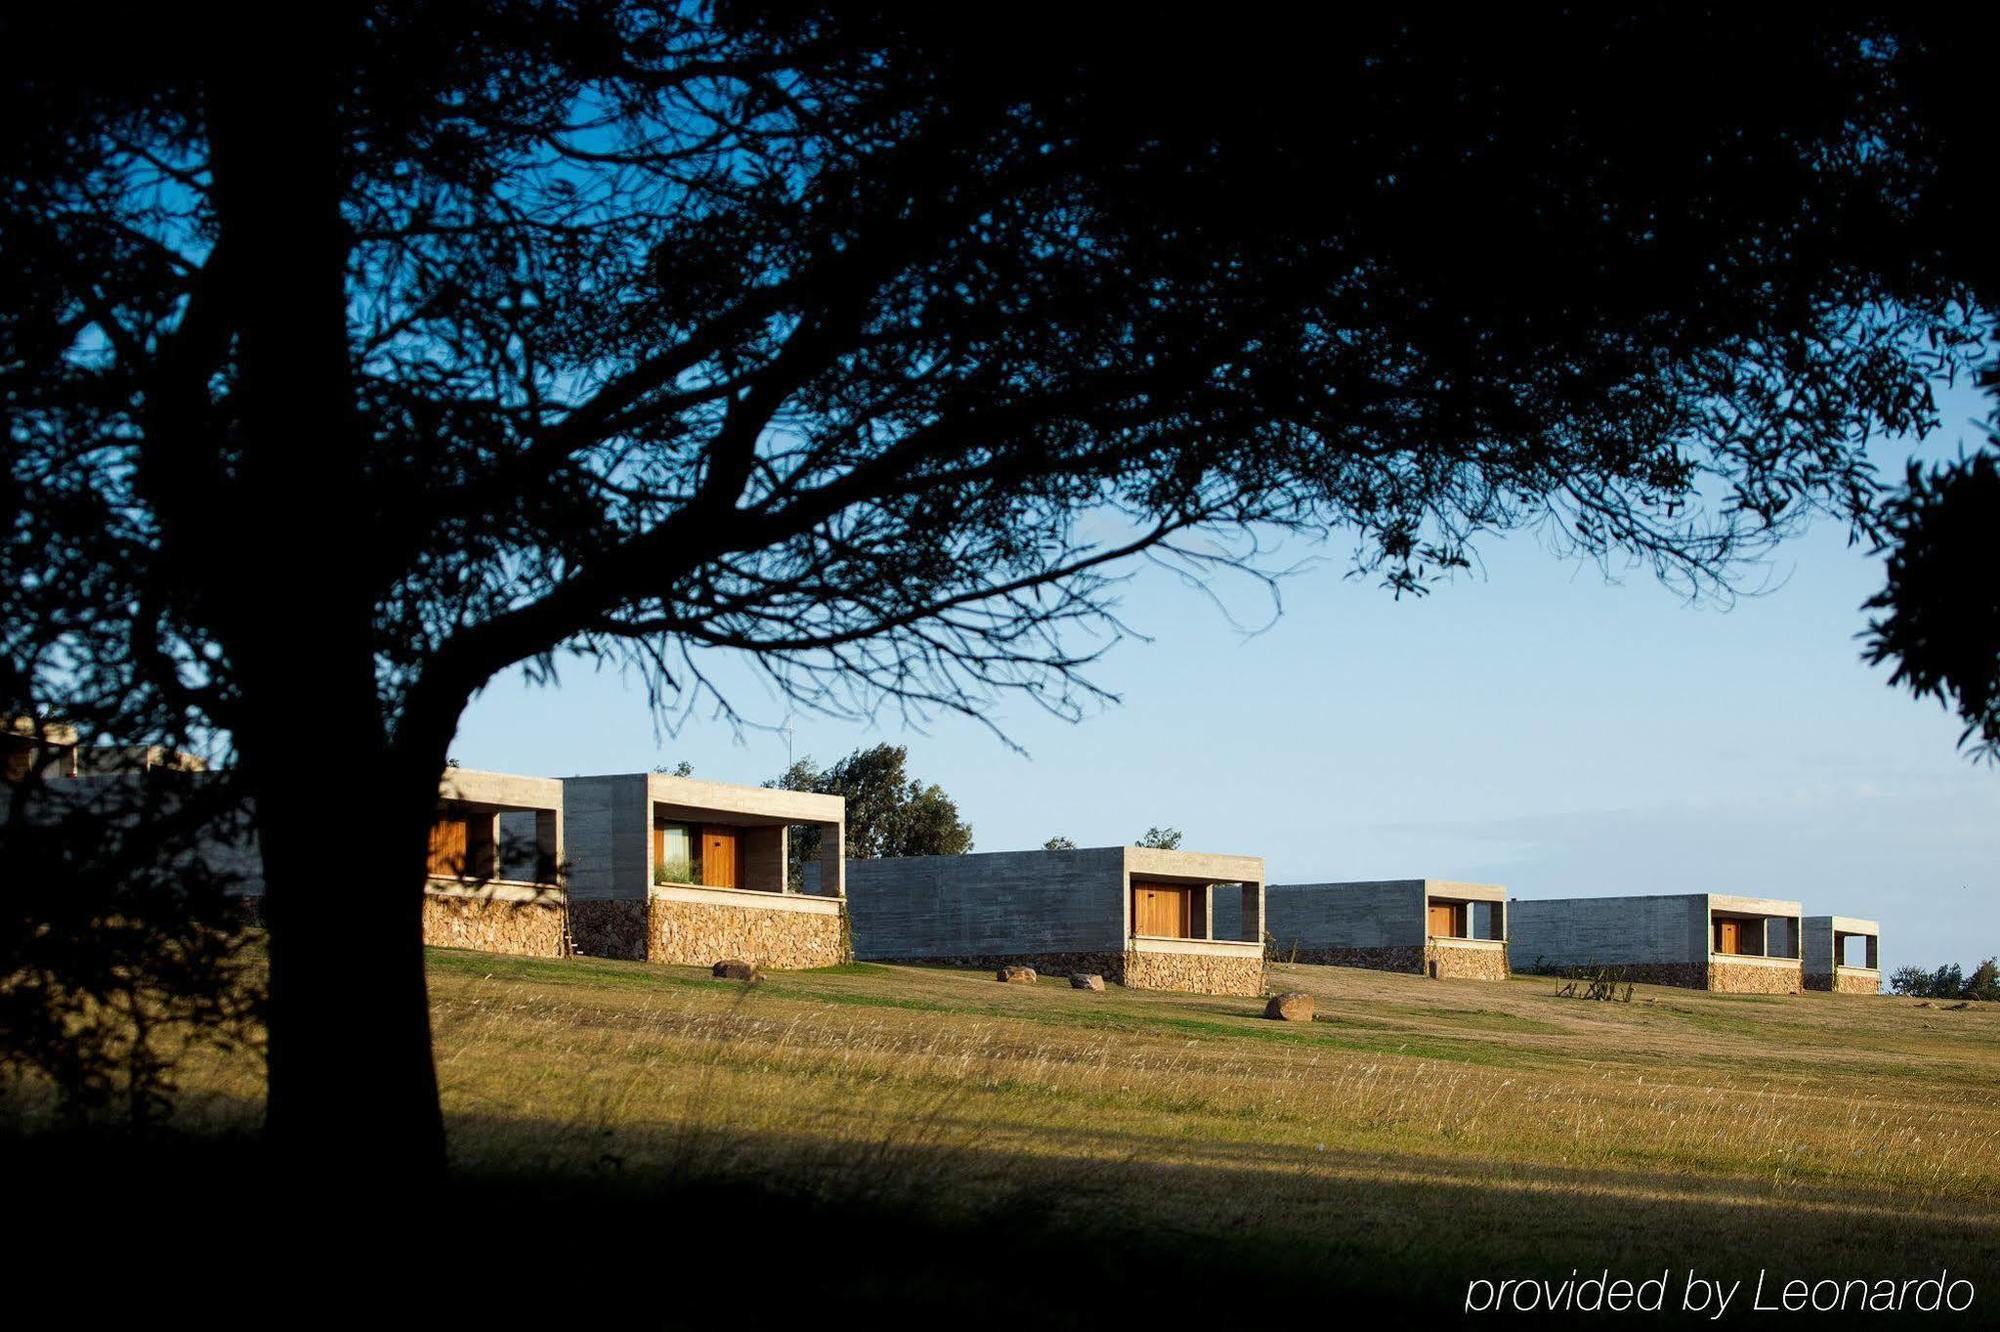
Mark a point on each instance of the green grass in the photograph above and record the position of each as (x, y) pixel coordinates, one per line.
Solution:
(1418, 1134)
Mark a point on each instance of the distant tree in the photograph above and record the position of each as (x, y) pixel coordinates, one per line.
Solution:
(871, 343)
(1946, 982)
(681, 769)
(889, 813)
(1059, 843)
(1161, 839)
(1984, 982)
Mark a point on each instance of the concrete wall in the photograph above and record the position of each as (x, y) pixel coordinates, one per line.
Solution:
(610, 830)
(1609, 931)
(609, 833)
(988, 904)
(1381, 913)
(1822, 957)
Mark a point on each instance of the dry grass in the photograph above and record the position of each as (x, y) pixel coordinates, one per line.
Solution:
(1451, 1128)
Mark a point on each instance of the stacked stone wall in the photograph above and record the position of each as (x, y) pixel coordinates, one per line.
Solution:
(701, 934)
(494, 925)
(1194, 973)
(1751, 978)
(1449, 963)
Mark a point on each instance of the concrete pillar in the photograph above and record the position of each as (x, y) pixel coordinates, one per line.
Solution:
(548, 846)
(1873, 964)
(482, 844)
(1208, 911)
(833, 860)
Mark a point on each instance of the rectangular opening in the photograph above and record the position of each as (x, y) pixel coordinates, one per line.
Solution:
(1164, 911)
(676, 853)
(1739, 936)
(1447, 920)
(1854, 950)
(463, 845)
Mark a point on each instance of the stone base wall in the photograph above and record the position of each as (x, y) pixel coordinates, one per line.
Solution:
(1189, 973)
(1111, 966)
(609, 928)
(700, 934)
(1194, 973)
(1845, 981)
(1409, 959)
(1750, 978)
(1448, 963)
(494, 925)
(1686, 975)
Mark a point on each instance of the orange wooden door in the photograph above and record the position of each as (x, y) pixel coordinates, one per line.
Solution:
(1728, 936)
(447, 848)
(718, 857)
(1444, 920)
(1163, 911)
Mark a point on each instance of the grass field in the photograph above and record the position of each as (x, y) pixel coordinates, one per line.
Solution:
(1418, 1135)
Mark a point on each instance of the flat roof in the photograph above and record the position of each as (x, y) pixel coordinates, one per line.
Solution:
(746, 804)
(1203, 866)
(1459, 889)
(1752, 906)
(504, 790)
(1748, 906)
(1849, 924)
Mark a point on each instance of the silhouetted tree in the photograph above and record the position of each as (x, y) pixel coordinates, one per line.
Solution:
(1161, 839)
(1942, 597)
(121, 942)
(889, 813)
(438, 338)
(1059, 843)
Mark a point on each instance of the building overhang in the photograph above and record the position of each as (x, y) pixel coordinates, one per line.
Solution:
(1192, 867)
(1730, 904)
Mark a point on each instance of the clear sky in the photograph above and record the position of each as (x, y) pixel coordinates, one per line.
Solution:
(1529, 725)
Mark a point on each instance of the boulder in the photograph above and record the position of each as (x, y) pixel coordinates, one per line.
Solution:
(1292, 1006)
(736, 969)
(1086, 980)
(1016, 975)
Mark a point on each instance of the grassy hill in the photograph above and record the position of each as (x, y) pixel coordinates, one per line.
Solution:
(884, 1134)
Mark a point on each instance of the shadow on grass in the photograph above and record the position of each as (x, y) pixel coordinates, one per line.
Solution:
(759, 1230)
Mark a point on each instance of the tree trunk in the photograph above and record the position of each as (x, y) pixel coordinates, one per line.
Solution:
(288, 581)
(353, 1088)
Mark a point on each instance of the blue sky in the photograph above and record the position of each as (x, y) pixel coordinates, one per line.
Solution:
(1529, 724)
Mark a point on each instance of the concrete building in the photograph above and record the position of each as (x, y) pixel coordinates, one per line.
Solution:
(1430, 927)
(496, 865)
(671, 869)
(1842, 954)
(53, 750)
(1712, 941)
(1149, 919)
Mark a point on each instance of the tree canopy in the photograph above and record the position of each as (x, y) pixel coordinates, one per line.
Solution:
(889, 812)
(872, 344)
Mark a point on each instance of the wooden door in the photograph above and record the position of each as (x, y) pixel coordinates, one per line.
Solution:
(447, 848)
(1163, 911)
(1728, 936)
(718, 857)
(1444, 920)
